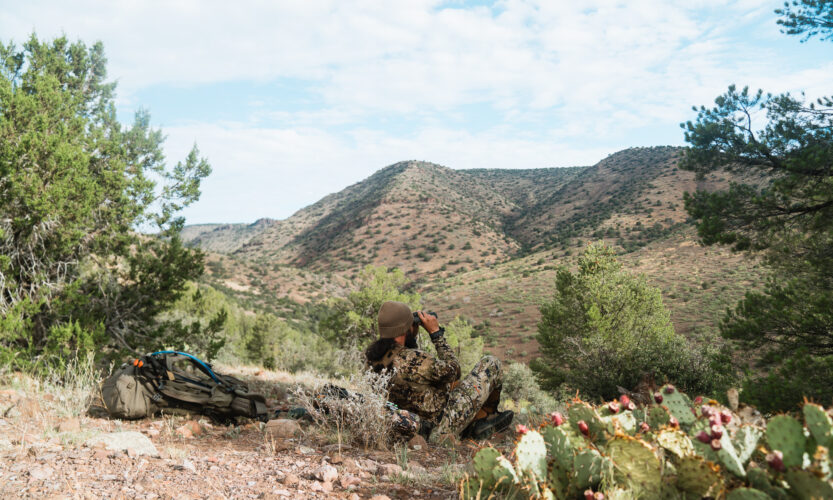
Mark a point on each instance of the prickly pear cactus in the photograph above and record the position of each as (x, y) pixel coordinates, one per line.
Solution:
(747, 494)
(819, 424)
(702, 457)
(484, 462)
(786, 434)
(562, 443)
(637, 466)
(678, 405)
(588, 467)
(697, 476)
(657, 417)
(531, 453)
(746, 441)
(806, 485)
(583, 412)
(675, 441)
(621, 422)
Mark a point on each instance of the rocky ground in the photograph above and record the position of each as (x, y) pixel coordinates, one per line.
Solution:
(48, 453)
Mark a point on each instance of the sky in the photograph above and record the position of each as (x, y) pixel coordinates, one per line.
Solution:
(293, 100)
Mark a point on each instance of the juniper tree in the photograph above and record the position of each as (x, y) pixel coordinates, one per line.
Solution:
(75, 185)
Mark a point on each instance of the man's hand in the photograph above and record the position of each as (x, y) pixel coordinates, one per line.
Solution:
(430, 323)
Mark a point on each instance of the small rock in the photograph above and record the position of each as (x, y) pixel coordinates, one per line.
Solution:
(291, 479)
(109, 477)
(388, 470)
(184, 432)
(349, 481)
(29, 408)
(418, 443)
(194, 426)
(121, 441)
(153, 432)
(325, 473)
(732, 395)
(305, 450)
(380, 497)
(10, 394)
(336, 459)
(283, 428)
(40, 473)
(69, 425)
(189, 466)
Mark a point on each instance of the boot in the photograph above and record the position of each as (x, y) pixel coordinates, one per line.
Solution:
(484, 428)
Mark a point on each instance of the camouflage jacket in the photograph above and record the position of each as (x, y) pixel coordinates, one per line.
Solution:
(420, 382)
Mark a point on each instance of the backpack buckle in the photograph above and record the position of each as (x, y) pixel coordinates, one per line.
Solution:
(156, 397)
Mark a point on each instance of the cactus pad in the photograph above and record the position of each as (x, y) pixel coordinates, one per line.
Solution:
(622, 421)
(785, 434)
(728, 456)
(745, 441)
(485, 461)
(697, 476)
(747, 494)
(676, 442)
(562, 443)
(657, 417)
(531, 453)
(588, 466)
(819, 424)
(806, 485)
(680, 407)
(503, 472)
(583, 411)
(636, 465)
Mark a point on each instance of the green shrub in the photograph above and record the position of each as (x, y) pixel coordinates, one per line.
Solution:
(607, 328)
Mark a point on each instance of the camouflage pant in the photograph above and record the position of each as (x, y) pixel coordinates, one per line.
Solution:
(465, 400)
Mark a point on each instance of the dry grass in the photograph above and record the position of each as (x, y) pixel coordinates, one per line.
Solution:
(360, 416)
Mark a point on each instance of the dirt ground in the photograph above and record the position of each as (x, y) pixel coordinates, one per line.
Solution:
(46, 452)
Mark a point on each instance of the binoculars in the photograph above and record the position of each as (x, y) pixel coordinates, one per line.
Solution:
(418, 321)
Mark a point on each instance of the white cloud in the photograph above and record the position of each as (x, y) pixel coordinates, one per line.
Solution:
(274, 172)
(568, 79)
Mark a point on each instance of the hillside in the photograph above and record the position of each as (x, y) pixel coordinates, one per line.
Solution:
(485, 244)
(436, 221)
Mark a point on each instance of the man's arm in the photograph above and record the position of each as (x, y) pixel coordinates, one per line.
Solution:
(446, 368)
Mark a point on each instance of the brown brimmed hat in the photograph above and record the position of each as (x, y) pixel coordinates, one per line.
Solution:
(395, 319)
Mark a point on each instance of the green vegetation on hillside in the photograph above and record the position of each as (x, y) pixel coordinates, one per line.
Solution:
(74, 187)
(786, 216)
(606, 328)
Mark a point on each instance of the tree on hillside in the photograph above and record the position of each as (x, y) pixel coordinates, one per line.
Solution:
(352, 320)
(783, 211)
(74, 187)
(606, 328)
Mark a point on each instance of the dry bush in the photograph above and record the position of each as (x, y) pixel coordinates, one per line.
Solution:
(359, 415)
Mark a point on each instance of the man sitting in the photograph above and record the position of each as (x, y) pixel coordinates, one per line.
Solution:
(430, 386)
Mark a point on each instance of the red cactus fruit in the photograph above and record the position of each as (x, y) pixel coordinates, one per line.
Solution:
(716, 444)
(631, 406)
(698, 400)
(776, 460)
(658, 397)
(599, 496)
(556, 418)
(521, 429)
(624, 399)
(613, 406)
(673, 422)
(704, 437)
(589, 495)
(644, 427)
(725, 417)
(706, 410)
(582, 427)
(717, 432)
(669, 389)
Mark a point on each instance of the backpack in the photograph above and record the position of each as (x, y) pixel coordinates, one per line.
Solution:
(177, 380)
